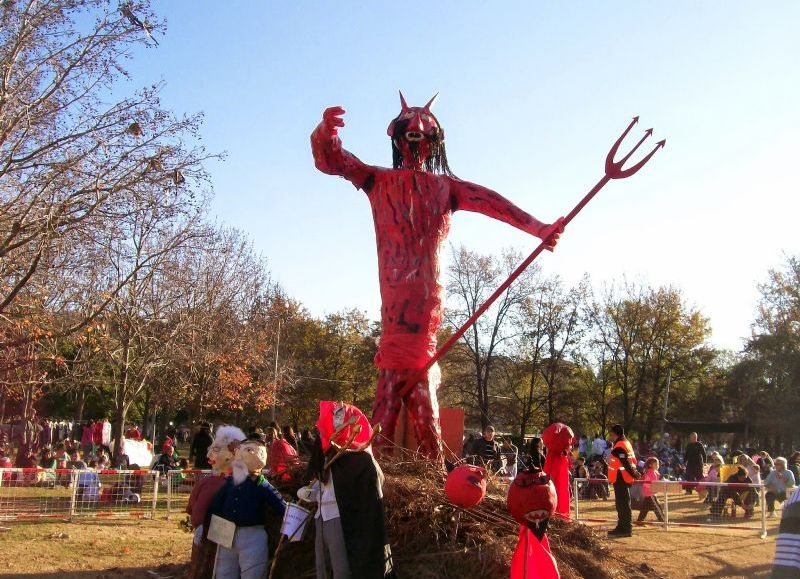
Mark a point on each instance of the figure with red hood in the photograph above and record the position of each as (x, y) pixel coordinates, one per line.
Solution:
(532, 502)
(558, 439)
(347, 483)
(412, 206)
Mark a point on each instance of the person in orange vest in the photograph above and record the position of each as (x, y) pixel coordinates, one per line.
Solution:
(621, 473)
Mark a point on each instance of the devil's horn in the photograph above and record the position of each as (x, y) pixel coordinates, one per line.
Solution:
(428, 106)
(403, 101)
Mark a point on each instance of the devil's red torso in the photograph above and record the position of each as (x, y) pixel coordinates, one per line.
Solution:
(411, 211)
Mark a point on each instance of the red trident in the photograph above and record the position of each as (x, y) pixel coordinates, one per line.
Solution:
(614, 170)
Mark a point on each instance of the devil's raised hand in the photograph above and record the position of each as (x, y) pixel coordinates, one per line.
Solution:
(332, 120)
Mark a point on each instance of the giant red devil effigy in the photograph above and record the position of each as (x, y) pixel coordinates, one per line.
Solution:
(412, 205)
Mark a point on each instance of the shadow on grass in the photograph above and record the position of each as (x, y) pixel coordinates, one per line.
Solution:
(728, 571)
(166, 571)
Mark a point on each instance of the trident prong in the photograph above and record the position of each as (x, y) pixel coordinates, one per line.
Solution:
(614, 169)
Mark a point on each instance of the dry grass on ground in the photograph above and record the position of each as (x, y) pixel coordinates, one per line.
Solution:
(85, 549)
(430, 539)
(113, 549)
(701, 553)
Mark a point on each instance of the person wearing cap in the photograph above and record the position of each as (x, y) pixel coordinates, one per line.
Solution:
(243, 501)
(487, 450)
(621, 474)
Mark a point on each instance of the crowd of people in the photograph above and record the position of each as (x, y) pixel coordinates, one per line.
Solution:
(692, 466)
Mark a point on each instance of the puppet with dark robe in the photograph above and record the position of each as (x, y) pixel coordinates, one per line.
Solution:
(351, 537)
(412, 205)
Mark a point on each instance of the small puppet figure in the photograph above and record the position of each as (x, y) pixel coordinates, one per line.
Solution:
(350, 533)
(558, 439)
(412, 206)
(243, 500)
(466, 485)
(220, 455)
(532, 502)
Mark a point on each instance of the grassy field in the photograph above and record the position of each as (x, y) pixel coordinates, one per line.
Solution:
(93, 549)
(133, 549)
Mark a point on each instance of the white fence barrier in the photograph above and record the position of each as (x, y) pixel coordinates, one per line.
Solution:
(36, 493)
(676, 503)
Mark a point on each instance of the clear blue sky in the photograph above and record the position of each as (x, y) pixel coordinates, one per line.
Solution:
(532, 96)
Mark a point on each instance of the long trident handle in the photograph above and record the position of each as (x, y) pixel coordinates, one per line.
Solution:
(613, 170)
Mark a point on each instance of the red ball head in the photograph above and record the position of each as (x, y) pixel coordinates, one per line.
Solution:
(466, 485)
(532, 500)
(558, 437)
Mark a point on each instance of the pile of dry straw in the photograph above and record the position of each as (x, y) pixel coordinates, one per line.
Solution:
(431, 538)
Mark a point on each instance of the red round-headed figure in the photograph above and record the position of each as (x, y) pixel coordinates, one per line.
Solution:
(466, 485)
(532, 500)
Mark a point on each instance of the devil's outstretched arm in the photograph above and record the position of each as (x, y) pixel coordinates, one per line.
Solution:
(331, 158)
(471, 197)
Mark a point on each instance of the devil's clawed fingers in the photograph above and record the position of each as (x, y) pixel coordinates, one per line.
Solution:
(333, 116)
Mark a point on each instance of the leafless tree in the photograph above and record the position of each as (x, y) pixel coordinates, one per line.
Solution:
(75, 158)
(472, 278)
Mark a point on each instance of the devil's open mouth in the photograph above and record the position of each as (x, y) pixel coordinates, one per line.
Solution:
(414, 136)
(537, 515)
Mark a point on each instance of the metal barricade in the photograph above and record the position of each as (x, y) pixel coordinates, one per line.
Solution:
(178, 487)
(35, 493)
(676, 503)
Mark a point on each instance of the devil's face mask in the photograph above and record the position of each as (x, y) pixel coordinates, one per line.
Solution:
(418, 139)
(532, 501)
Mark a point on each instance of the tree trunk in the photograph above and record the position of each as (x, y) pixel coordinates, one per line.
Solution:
(81, 403)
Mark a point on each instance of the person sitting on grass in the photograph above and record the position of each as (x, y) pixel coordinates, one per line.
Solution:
(61, 455)
(47, 460)
(580, 471)
(740, 496)
(777, 482)
(89, 484)
(75, 461)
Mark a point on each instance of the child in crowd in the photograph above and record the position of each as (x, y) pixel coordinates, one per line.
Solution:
(89, 484)
(598, 486)
(649, 498)
(579, 471)
(712, 476)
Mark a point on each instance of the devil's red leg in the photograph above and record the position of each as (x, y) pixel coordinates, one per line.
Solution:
(421, 403)
(424, 409)
(387, 407)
